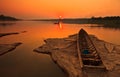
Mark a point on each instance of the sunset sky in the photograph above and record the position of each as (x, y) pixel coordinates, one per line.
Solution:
(54, 8)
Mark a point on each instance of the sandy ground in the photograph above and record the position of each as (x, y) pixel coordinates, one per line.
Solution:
(63, 52)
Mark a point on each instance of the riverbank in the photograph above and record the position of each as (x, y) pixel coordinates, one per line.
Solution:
(63, 52)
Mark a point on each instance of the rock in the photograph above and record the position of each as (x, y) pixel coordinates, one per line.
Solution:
(5, 34)
(63, 51)
(5, 48)
(109, 47)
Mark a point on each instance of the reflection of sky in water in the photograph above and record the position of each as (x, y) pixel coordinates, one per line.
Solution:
(23, 62)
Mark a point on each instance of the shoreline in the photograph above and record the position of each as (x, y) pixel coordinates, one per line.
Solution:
(12, 33)
(5, 48)
(6, 34)
(63, 53)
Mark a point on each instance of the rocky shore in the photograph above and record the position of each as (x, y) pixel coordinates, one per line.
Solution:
(12, 33)
(5, 34)
(5, 48)
(63, 52)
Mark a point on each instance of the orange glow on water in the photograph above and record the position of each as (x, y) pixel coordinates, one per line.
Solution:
(60, 25)
(37, 31)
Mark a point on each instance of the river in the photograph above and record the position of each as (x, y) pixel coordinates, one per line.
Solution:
(24, 62)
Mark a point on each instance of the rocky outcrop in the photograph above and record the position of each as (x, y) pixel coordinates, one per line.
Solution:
(12, 33)
(5, 48)
(63, 51)
(5, 34)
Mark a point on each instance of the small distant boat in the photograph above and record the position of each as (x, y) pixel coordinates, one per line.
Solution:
(59, 20)
(87, 52)
(57, 23)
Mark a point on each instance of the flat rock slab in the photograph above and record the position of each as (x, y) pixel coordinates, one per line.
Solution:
(5, 34)
(63, 51)
(12, 33)
(5, 48)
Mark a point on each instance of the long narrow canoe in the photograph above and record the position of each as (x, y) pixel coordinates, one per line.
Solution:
(87, 52)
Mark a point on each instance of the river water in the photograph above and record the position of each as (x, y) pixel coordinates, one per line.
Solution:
(24, 62)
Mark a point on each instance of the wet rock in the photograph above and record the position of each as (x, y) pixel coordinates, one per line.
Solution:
(5, 34)
(23, 31)
(13, 33)
(5, 48)
(63, 51)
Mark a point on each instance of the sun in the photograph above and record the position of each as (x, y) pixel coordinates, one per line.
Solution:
(60, 17)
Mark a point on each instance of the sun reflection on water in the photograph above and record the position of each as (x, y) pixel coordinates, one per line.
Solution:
(60, 25)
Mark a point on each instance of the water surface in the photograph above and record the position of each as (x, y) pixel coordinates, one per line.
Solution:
(23, 62)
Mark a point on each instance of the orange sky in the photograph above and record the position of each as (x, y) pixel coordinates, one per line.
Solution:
(54, 8)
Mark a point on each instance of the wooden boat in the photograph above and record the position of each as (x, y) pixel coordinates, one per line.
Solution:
(87, 52)
(57, 23)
